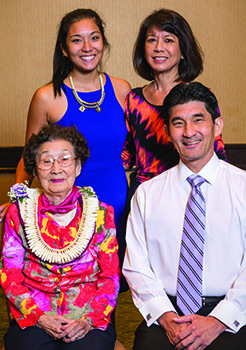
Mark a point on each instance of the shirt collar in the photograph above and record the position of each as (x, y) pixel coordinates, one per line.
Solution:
(208, 172)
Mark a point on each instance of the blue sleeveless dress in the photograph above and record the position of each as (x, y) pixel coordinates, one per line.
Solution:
(105, 133)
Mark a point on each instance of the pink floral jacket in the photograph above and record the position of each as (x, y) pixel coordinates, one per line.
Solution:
(85, 287)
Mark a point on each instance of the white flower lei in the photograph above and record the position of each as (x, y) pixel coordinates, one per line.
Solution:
(29, 213)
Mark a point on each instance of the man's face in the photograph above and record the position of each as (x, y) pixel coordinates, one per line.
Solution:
(193, 132)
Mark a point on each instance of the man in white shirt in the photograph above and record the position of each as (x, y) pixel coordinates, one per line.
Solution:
(155, 232)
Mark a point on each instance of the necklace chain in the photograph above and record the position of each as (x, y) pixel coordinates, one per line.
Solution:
(84, 104)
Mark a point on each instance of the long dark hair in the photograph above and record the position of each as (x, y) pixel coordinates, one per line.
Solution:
(61, 64)
(167, 20)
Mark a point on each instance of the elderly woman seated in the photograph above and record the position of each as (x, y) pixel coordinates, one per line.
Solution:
(60, 269)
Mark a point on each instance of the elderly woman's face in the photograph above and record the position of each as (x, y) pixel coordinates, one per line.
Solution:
(57, 169)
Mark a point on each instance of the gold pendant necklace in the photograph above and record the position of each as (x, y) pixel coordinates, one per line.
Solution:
(84, 104)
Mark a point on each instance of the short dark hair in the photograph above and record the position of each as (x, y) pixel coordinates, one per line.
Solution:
(61, 64)
(50, 133)
(184, 93)
(167, 20)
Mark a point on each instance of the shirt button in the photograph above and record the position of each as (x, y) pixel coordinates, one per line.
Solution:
(57, 290)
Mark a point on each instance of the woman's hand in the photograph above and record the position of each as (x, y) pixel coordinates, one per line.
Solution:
(53, 325)
(75, 330)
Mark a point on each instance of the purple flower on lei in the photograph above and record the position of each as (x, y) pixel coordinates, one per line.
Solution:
(18, 191)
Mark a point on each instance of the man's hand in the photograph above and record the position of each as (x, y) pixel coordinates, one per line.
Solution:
(172, 328)
(200, 332)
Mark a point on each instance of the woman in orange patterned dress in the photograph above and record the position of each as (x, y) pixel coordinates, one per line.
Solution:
(165, 53)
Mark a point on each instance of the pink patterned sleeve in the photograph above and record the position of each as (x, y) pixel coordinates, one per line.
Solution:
(22, 306)
(103, 302)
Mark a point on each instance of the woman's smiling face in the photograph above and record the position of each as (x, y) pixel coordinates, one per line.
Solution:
(162, 51)
(57, 181)
(84, 45)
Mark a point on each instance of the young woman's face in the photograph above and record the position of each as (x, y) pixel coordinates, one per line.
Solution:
(162, 51)
(84, 45)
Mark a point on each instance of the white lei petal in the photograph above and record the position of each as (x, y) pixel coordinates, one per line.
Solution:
(29, 212)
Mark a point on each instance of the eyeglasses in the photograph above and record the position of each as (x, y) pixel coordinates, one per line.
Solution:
(47, 162)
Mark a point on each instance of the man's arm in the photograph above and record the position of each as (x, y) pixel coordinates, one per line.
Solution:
(147, 289)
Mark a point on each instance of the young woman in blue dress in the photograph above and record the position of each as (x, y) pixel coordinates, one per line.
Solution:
(81, 95)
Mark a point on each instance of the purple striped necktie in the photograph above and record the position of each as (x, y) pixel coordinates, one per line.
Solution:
(189, 289)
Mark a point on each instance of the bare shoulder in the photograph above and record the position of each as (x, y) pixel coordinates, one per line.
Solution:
(45, 108)
(121, 89)
(44, 94)
(121, 85)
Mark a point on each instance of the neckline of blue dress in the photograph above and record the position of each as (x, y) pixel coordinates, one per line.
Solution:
(88, 92)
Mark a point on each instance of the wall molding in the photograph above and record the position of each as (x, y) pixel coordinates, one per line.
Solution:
(236, 154)
(10, 156)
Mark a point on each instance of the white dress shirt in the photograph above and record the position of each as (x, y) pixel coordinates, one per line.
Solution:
(154, 233)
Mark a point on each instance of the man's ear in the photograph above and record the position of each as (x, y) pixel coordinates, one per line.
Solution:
(218, 123)
(167, 133)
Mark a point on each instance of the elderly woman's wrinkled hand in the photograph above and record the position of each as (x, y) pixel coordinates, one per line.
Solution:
(75, 330)
(52, 325)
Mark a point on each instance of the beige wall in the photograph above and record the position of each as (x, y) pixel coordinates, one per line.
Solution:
(28, 32)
